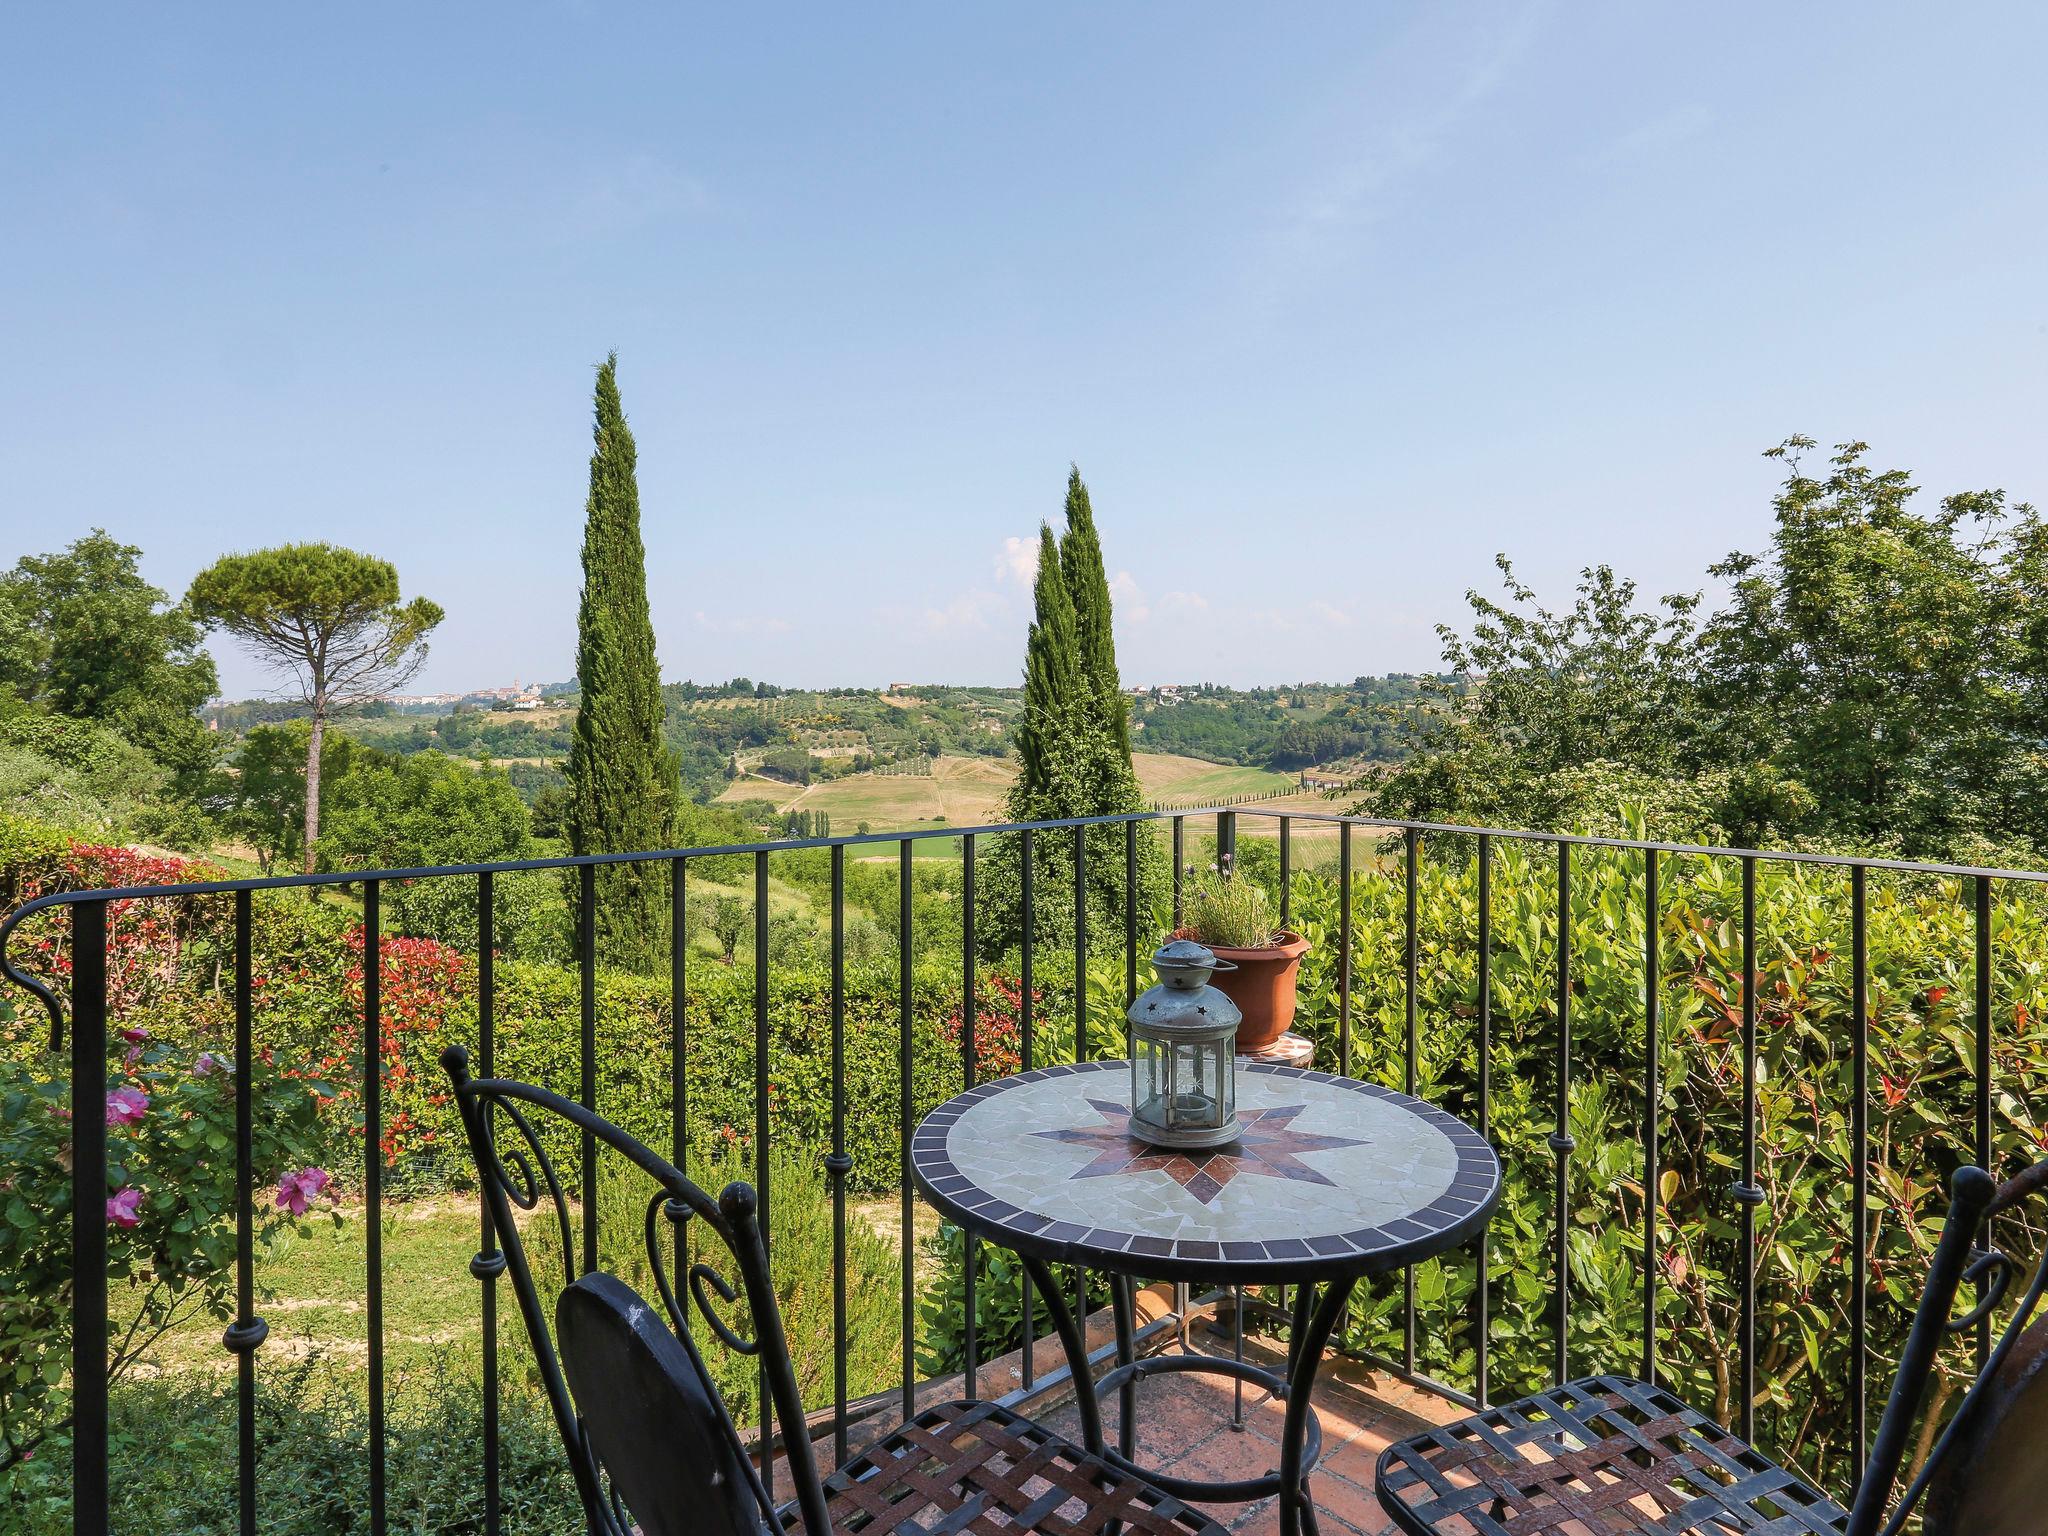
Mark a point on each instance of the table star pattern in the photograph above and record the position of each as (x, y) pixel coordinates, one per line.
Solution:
(1333, 1172)
(1270, 1145)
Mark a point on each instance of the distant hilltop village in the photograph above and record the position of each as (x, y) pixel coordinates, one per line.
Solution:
(518, 696)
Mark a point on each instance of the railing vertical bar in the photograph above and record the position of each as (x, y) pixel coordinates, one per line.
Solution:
(1410, 962)
(1561, 1142)
(1985, 1156)
(1081, 1013)
(89, 1480)
(586, 967)
(1286, 871)
(679, 1039)
(247, 1331)
(968, 1065)
(905, 968)
(761, 1162)
(1179, 869)
(489, 1262)
(1652, 987)
(1481, 1323)
(838, 1165)
(1344, 949)
(373, 1183)
(1027, 1027)
(1130, 913)
(1859, 1136)
(1081, 947)
(1747, 1194)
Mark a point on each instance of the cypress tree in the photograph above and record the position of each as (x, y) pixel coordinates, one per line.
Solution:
(623, 779)
(1087, 583)
(1073, 747)
(1053, 688)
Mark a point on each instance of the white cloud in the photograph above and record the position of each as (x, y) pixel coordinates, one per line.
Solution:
(1329, 613)
(1181, 602)
(1017, 561)
(1128, 598)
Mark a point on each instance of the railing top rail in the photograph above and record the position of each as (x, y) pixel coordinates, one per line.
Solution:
(799, 844)
(1642, 845)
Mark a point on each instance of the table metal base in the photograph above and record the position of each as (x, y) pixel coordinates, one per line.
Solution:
(1301, 1437)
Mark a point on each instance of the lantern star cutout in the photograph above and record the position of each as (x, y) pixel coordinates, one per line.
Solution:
(1269, 1147)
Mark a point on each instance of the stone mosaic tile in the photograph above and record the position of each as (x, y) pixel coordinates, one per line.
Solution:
(1328, 1170)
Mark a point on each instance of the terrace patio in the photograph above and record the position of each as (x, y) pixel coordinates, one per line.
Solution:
(1487, 971)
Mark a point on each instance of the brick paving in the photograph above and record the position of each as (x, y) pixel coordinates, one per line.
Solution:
(1185, 1427)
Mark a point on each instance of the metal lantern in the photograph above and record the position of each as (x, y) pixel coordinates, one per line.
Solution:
(1184, 1053)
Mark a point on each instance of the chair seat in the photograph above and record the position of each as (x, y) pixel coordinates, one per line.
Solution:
(1597, 1457)
(971, 1466)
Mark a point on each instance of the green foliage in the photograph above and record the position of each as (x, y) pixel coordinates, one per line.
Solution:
(169, 1208)
(327, 618)
(424, 810)
(268, 809)
(1922, 1076)
(174, 1466)
(1892, 661)
(998, 1302)
(87, 637)
(1087, 584)
(1873, 684)
(622, 777)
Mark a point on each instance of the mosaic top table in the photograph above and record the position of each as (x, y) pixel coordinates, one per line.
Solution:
(1332, 1179)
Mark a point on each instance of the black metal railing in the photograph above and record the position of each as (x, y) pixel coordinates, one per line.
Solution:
(80, 1021)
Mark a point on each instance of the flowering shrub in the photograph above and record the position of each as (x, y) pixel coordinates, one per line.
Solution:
(169, 1208)
(152, 946)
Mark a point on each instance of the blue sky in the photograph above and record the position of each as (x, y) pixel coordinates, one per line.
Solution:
(1330, 303)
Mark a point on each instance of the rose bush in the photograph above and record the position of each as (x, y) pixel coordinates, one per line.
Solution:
(169, 1208)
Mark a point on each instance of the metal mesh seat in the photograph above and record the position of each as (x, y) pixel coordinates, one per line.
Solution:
(979, 1467)
(1595, 1457)
(1609, 1455)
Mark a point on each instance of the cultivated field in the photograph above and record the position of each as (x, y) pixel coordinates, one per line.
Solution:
(969, 791)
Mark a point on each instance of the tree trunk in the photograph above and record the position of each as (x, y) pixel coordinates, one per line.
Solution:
(313, 738)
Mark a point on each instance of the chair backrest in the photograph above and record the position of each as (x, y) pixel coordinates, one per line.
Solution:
(649, 1439)
(1987, 1474)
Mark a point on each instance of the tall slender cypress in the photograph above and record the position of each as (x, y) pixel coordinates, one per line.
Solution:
(1052, 684)
(623, 780)
(1087, 582)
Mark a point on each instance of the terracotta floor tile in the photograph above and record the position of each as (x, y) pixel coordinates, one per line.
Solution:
(1350, 1502)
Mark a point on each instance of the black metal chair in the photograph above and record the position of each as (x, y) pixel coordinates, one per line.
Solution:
(651, 1443)
(1609, 1454)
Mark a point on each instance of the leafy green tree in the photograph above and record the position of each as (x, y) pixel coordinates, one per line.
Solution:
(83, 635)
(269, 805)
(413, 812)
(623, 778)
(86, 636)
(327, 619)
(1895, 662)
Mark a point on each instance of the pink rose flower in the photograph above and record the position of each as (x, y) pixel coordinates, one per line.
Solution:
(207, 1064)
(136, 1035)
(124, 1207)
(296, 1191)
(126, 1106)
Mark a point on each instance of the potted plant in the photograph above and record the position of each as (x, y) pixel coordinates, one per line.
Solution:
(1230, 916)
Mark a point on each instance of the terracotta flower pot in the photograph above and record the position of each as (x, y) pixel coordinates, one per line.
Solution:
(1262, 986)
